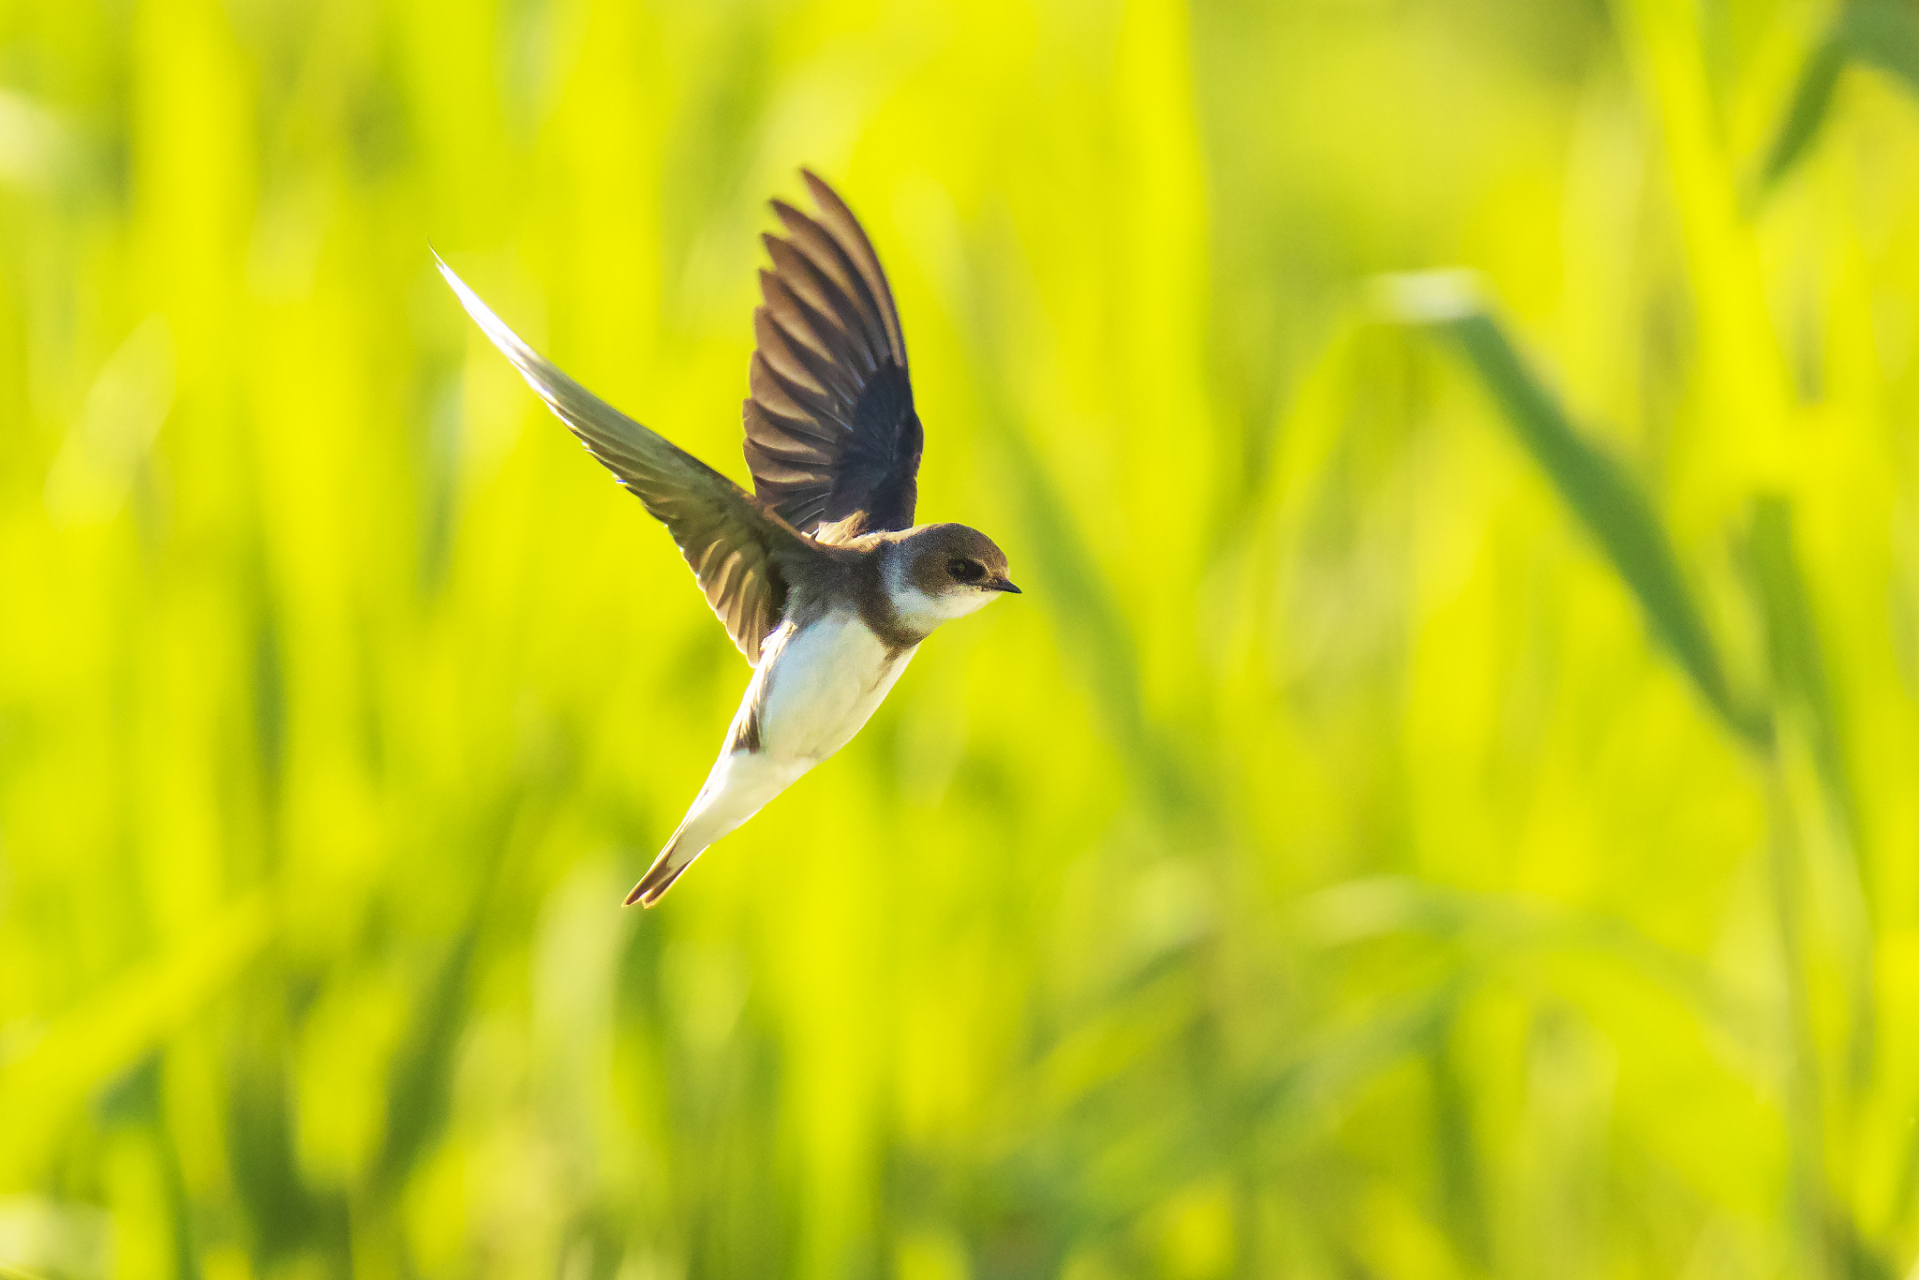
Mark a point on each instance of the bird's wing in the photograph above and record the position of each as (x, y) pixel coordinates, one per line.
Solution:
(738, 549)
(831, 434)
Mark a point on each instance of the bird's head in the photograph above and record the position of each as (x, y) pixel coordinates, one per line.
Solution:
(938, 572)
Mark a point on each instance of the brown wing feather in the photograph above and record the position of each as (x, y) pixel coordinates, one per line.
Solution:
(738, 549)
(831, 433)
(852, 237)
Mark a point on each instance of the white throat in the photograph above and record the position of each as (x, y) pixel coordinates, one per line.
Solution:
(920, 611)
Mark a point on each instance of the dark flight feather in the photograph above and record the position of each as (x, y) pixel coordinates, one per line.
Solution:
(831, 434)
(738, 549)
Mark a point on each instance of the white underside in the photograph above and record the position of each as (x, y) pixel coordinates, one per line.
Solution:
(822, 685)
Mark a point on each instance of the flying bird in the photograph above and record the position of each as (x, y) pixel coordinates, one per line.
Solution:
(820, 575)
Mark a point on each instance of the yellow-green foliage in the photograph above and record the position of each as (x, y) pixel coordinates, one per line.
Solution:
(1447, 804)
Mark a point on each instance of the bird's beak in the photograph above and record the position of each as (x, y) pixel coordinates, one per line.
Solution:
(1004, 584)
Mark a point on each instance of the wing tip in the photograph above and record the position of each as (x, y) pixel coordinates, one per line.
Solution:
(453, 280)
(821, 189)
(839, 220)
(825, 197)
(496, 329)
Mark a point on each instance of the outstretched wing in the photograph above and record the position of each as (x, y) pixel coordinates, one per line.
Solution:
(831, 434)
(735, 545)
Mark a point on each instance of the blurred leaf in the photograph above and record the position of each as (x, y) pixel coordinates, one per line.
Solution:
(1880, 33)
(125, 409)
(1885, 33)
(1462, 1183)
(1512, 933)
(1801, 682)
(111, 1032)
(1110, 1041)
(1811, 98)
(134, 1102)
(47, 1239)
(1793, 652)
(417, 1093)
(1306, 1093)
(1604, 498)
(284, 1216)
(36, 145)
(1091, 621)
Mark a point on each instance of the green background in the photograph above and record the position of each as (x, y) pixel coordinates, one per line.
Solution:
(1447, 804)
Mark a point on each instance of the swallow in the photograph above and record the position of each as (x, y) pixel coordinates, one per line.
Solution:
(819, 575)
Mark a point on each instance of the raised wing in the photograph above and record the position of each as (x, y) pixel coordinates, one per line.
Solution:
(831, 434)
(736, 547)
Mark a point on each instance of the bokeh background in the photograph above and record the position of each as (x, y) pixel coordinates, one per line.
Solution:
(1446, 806)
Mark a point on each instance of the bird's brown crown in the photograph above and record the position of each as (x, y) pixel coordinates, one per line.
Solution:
(949, 559)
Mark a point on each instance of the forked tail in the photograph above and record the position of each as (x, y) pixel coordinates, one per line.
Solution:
(740, 783)
(666, 868)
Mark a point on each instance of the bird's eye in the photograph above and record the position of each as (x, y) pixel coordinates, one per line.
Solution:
(966, 570)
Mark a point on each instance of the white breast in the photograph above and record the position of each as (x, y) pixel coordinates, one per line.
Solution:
(825, 682)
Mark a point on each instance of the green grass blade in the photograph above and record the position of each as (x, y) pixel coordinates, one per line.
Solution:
(1811, 100)
(1794, 653)
(418, 1091)
(1885, 34)
(109, 1033)
(1879, 33)
(1086, 608)
(1611, 506)
(1801, 681)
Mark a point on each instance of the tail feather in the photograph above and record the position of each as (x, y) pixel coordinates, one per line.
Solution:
(665, 870)
(741, 782)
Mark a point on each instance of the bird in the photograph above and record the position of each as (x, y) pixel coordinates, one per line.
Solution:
(819, 575)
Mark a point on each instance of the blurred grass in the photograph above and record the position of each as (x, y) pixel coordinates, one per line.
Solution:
(1443, 808)
(1875, 33)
